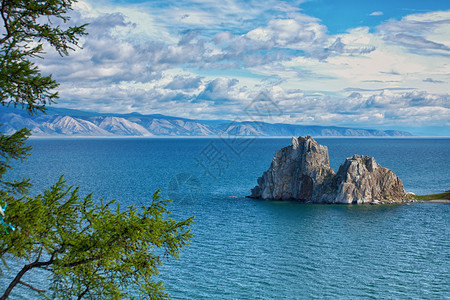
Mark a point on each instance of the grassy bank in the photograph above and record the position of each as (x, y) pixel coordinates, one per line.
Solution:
(441, 196)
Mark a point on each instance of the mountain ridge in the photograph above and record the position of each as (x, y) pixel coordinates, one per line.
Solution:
(69, 122)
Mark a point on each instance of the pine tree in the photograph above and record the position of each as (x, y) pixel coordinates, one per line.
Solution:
(91, 249)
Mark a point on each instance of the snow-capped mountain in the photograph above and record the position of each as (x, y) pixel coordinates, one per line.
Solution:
(66, 122)
(121, 126)
(70, 126)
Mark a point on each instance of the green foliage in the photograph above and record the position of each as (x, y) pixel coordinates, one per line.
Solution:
(93, 250)
(90, 250)
(13, 147)
(27, 25)
(440, 196)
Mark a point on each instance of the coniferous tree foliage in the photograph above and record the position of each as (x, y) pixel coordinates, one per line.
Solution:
(27, 25)
(90, 249)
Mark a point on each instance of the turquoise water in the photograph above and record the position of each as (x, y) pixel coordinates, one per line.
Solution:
(250, 249)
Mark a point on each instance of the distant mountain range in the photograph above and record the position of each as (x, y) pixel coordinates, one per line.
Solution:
(68, 122)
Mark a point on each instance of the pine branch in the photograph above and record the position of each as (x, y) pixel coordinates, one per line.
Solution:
(32, 287)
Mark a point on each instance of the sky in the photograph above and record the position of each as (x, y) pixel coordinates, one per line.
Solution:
(368, 64)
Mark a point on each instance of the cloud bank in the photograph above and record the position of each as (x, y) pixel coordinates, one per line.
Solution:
(208, 60)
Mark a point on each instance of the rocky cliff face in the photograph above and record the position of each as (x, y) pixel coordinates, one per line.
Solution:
(302, 172)
(296, 172)
(361, 180)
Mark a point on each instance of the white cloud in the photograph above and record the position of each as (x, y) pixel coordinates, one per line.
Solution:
(376, 13)
(147, 25)
(219, 90)
(185, 83)
(388, 65)
(428, 32)
(198, 64)
(429, 79)
(300, 32)
(193, 17)
(386, 107)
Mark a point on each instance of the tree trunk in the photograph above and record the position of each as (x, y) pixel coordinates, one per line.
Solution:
(16, 281)
(21, 273)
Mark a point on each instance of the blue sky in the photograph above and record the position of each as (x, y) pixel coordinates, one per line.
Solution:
(372, 64)
(341, 15)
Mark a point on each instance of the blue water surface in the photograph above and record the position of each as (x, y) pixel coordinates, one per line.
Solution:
(249, 249)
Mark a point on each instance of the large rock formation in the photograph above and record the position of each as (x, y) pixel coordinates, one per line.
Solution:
(302, 172)
(296, 172)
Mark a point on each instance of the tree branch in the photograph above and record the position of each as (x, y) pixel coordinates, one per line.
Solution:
(32, 287)
(40, 253)
(83, 293)
(19, 275)
(83, 261)
(5, 21)
(15, 281)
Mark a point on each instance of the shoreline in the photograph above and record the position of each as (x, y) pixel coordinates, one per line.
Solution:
(433, 201)
(433, 198)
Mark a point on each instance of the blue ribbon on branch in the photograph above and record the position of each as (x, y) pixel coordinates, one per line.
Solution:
(2, 220)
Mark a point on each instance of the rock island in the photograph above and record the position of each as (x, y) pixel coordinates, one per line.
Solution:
(302, 172)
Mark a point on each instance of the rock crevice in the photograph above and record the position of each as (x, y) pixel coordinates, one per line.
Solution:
(302, 172)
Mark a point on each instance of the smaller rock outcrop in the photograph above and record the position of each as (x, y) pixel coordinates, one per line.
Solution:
(361, 180)
(302, 172)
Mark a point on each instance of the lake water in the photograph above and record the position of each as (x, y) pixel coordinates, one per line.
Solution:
(250, 249)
